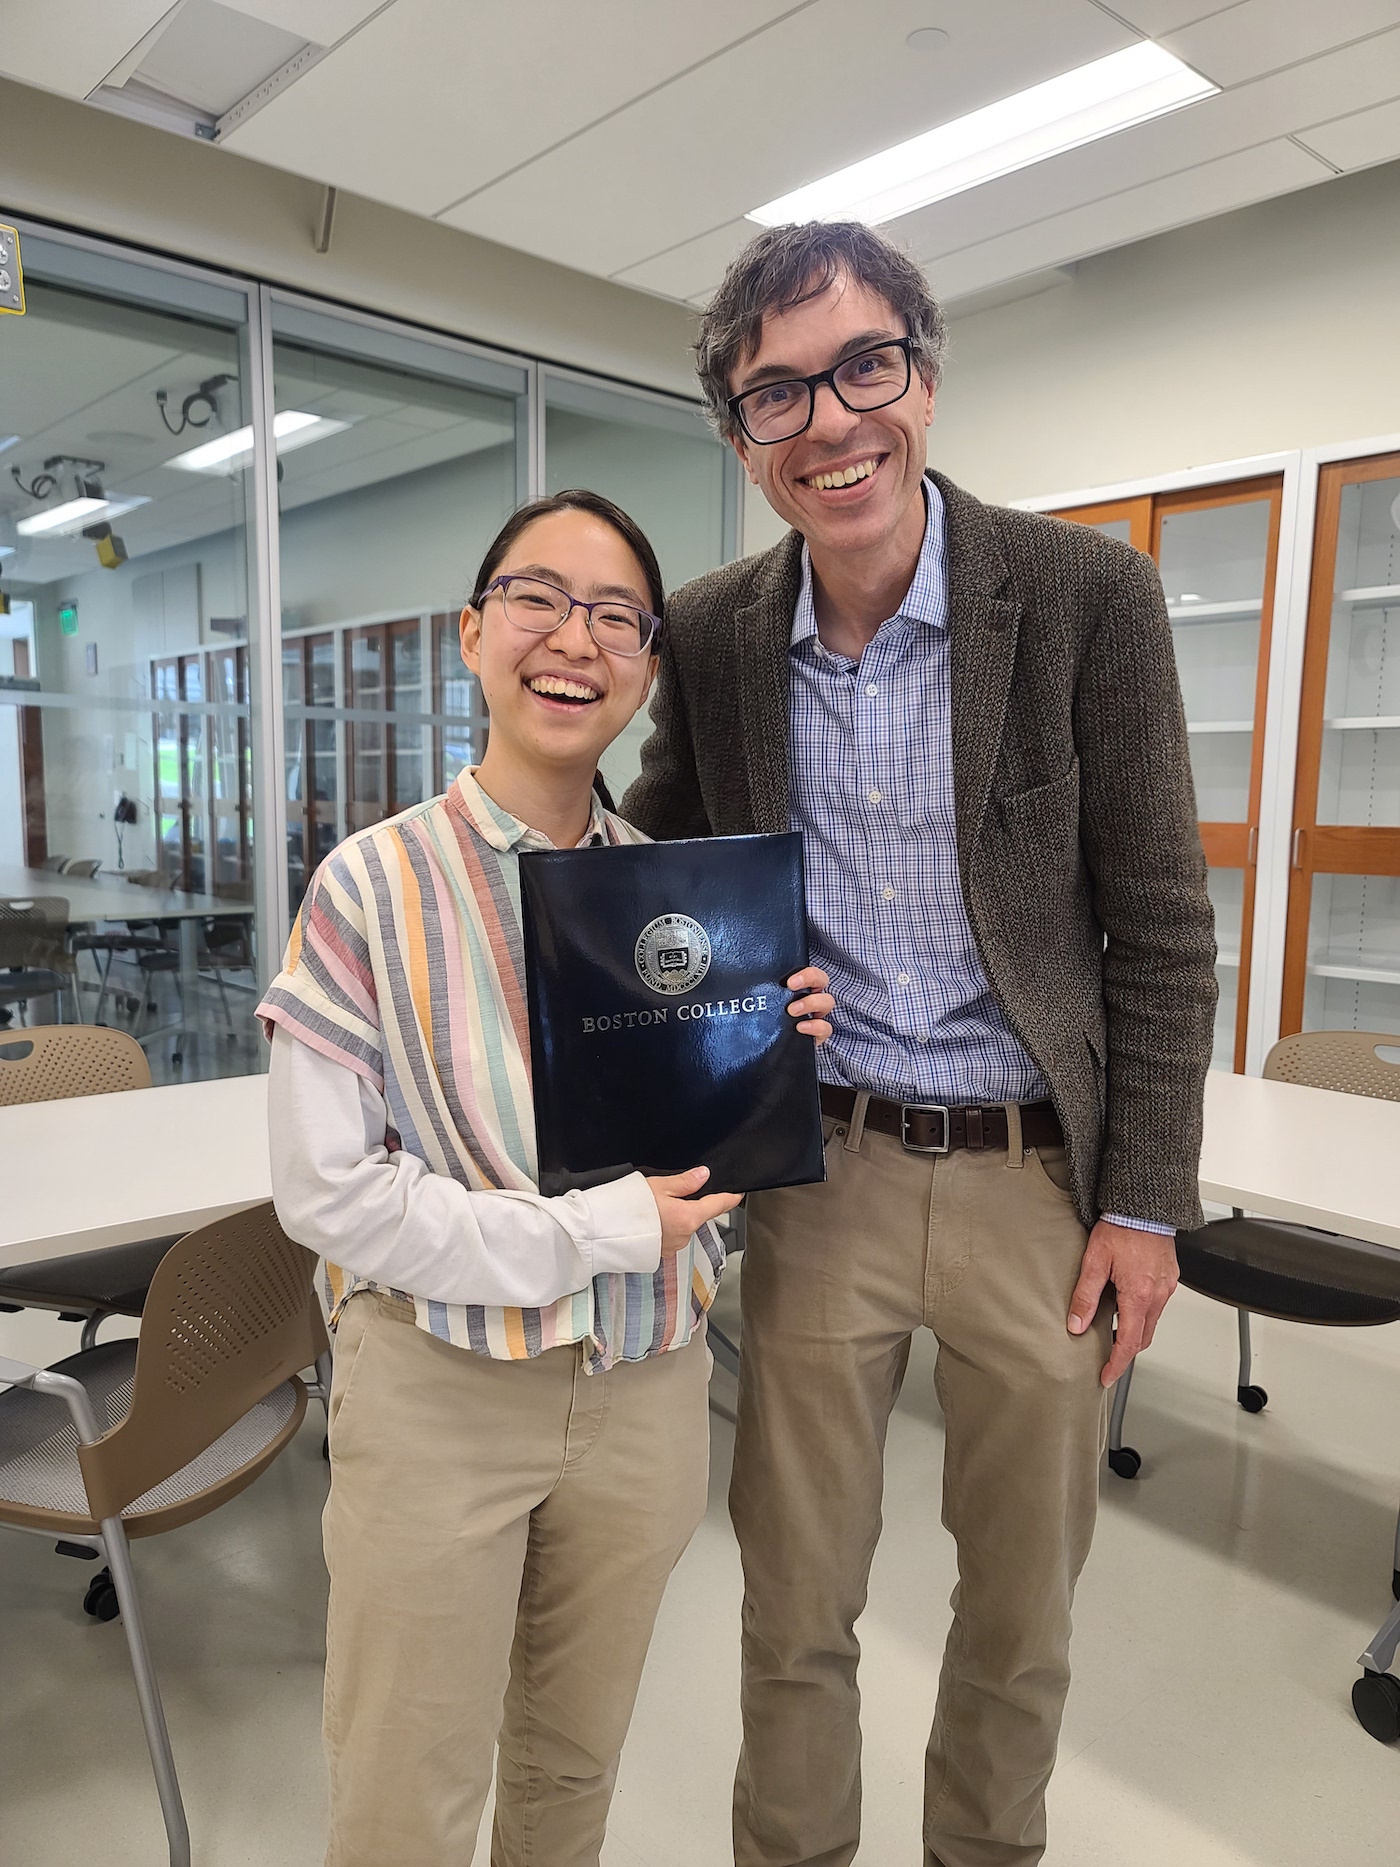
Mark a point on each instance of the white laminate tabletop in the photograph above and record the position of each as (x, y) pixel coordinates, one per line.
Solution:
(108, 896)
(92, 1171)
(1309, 1155)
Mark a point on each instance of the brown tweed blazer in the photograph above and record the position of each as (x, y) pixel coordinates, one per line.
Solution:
(1081, 862)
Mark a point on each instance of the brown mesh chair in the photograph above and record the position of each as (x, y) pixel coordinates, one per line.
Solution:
(34, 952)
(44, 1063)
(84, 867)
(127, 1439)
(1295, 1272)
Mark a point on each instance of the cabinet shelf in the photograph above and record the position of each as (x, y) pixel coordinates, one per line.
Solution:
(1224, 726)
(1380, 969)
(1238, 610)
(1363, 723)
(1374, 596)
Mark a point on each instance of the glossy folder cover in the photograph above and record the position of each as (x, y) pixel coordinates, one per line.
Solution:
(659, 1036)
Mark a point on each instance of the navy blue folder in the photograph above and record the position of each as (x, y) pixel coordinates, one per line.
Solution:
(659, 1036)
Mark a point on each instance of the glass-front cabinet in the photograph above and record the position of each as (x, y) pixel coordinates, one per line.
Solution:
(1342, 953)
(1216, 548)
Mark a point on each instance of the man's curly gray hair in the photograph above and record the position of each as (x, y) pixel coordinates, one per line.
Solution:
(785, 266)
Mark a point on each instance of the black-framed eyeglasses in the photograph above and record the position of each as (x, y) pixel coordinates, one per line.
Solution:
(780, 411)
(541, 608)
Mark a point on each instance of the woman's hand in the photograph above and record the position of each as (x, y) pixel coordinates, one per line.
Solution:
(812, 1011)
(681, 1218)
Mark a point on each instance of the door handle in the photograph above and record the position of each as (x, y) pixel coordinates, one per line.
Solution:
(1253, 851)
(1298, 847)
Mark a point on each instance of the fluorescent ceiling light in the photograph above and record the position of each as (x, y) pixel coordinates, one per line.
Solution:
(77, 513)
(74, 512)
(8, 440)
(7, 551)
(1111, 94)
(292, 429)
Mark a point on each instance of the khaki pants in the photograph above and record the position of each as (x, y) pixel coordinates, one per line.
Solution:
(499, 1535)
(984, 1249)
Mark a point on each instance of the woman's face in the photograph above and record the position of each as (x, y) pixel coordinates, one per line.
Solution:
(586, 557)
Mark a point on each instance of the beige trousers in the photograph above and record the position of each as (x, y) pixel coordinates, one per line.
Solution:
(499, 1535)
(984, 1249)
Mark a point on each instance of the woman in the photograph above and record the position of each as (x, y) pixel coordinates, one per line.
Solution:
(519, 1430)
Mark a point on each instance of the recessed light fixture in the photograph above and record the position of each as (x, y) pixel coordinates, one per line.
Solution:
(229, 452)
(1189, 596)
(75, 514)
(1079, 107)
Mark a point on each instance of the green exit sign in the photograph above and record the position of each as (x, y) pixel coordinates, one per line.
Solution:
(68, 618)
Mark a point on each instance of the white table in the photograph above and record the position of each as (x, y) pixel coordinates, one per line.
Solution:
(107, 896)
(109, 1170)
(1309, 1155)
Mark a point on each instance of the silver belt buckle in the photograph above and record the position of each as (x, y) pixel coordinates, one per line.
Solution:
(906, 1109)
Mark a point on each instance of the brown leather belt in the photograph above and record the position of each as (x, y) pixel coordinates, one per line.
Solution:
(932, 1128)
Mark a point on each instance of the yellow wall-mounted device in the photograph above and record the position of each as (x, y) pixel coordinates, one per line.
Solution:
(11, 273)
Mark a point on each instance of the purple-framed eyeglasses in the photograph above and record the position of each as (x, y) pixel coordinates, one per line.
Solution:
(541, 608)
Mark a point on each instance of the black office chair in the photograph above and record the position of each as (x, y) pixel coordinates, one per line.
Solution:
(1296, 1273)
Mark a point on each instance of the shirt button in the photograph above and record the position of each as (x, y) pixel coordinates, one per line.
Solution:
(873, 797)
(904, 978)
(872, 690)
(887, 894)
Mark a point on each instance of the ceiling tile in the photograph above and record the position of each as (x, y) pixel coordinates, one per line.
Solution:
(812, 93)
(71, 47)
(323, 22)
(1154, 17)
(1265, 35)
(1215, 188)
(433, 99)
(1359, 141)
(694, 267)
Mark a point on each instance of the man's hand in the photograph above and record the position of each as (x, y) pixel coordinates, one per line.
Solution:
(1141, 1266)
(812, 1012)
(682, 1217)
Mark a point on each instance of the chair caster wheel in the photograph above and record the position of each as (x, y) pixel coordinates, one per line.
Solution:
(1375, 1698)
(100, 1601)
(177, 1057)
(1252, 1399)
(1125, 1462)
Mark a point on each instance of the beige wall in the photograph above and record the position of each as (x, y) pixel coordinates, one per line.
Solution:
(72, 163)
(1272, 328)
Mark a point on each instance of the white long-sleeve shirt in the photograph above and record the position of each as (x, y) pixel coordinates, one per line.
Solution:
(389, 1218)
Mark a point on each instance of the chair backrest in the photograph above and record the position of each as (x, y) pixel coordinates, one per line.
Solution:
(34, 930)
(230, 1315)
(84, 866)
(54, 863)
(1344, 1060)
(46, 1062)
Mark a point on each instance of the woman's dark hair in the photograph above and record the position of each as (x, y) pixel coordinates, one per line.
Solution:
(576, 499)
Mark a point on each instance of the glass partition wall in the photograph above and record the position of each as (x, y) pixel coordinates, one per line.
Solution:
(236, 533)
(128, 806)
(1342, 951)
(1216, 548)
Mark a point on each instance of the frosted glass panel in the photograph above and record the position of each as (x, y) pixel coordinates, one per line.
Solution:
(1226, 888)
(1214, 564)
(1353, 978)
(1359, 781)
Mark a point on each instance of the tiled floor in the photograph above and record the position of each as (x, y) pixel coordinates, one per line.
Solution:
(1230, 1589)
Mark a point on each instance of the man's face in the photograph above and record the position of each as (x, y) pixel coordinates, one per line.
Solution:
(845, 318)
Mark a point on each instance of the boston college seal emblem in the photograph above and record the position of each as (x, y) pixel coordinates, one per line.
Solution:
(672, 954)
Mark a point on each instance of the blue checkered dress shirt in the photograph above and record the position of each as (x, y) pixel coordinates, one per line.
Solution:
(872, 794)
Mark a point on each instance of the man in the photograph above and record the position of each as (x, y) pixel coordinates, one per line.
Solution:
(973, 717)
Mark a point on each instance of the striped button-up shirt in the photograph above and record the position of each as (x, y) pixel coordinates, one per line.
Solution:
(871, 756)
(407, 966)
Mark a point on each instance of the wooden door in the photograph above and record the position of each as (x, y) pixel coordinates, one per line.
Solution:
(1341, 968)
(1216, 548)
